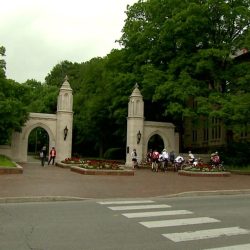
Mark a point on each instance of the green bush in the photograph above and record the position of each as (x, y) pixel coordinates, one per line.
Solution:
(236, 154)
(114, 154)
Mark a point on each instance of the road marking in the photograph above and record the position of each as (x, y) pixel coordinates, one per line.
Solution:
(124, 202)
(156, 213)
(234, 247)
(205, 234)
(138, 207)
(178, 222)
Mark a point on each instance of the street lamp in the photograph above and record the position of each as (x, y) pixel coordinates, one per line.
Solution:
(138, 137)
(65, 131)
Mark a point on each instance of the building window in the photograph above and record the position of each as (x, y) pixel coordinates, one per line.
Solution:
(205, 131)
(216, 128)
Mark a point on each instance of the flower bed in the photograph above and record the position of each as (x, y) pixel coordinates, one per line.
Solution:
(95, 167)
(73, 160)
(96, 171)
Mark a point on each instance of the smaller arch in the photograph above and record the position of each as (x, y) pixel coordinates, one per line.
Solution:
(36, 125)
(166, 141)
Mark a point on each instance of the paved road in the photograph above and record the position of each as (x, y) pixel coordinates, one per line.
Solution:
(49, 181)
(189, 223)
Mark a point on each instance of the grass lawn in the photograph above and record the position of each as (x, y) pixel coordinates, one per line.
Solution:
(244, 169)
(6, 162)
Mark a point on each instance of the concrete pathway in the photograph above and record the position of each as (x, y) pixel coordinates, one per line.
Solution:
(52, 182)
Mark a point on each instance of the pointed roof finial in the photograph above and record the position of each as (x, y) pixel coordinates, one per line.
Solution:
(136, 85)
(66, 84)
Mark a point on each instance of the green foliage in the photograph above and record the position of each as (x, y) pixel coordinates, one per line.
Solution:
(182, 50)
(236, 154)
(114, 153)
(179, 52)
(2, 62)
(13, 112)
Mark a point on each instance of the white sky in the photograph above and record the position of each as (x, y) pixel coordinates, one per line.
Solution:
(38, 34)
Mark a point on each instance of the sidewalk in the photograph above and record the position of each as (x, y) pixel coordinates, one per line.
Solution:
(59, 183)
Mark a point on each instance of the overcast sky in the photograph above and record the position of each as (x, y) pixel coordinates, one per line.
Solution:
(38, 34)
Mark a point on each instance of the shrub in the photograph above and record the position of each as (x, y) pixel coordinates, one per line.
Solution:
(114, 153)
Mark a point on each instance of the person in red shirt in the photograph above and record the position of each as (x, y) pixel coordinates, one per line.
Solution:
(52, 155)
(155, 160)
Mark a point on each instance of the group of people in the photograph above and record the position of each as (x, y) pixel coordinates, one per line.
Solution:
(43, 155)
(162, 159)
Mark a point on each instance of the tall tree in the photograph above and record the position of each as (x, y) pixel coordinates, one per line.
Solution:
(186, 47)
(12, 110)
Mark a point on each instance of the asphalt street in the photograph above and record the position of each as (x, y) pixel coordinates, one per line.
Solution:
(189, 223)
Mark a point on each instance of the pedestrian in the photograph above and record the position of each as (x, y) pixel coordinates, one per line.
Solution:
(172, 157)
(149, 155)
(134, 158)
(43, 154)
(191, 158)
(155, 160)
(178, 162)
(52, 156)
(164, 158)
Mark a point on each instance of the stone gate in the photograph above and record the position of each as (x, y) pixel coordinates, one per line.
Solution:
(140, 131)
(59, 127)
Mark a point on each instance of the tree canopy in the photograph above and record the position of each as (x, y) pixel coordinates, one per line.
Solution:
(186, 47)
(179, 52)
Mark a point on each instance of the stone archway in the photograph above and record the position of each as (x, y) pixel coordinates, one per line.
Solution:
(136, 125)
(155, 142)
(53, 124)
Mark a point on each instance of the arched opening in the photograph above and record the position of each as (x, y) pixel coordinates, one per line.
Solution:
(156, 143)
(38, 138)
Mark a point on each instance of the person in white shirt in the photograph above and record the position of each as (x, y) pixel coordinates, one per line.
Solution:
(190, 157)
(134, 158)
(164, 158)
(179, 160)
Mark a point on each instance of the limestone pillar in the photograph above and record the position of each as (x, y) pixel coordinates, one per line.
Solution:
(135, 124)
(64, 123)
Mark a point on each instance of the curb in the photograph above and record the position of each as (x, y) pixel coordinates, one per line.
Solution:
(70, 198)
(12, 170)
(40, 199)
(204, 174)
(84, 171)
(207, 193)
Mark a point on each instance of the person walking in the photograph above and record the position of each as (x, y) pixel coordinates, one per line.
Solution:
(43, 154)
(52, 156)
(155, 160)
(134, 158)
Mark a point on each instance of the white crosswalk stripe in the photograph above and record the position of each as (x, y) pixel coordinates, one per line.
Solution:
(205, 234)
(156, 213)
(178, 222)
(128, 205)
(139, 207)
(234, 247)
(124, 202)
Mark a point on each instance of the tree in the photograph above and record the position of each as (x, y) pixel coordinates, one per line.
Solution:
(188, 47)
(2, 62)
(12, 110)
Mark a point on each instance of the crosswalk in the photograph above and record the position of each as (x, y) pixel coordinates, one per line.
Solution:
(146, 207)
